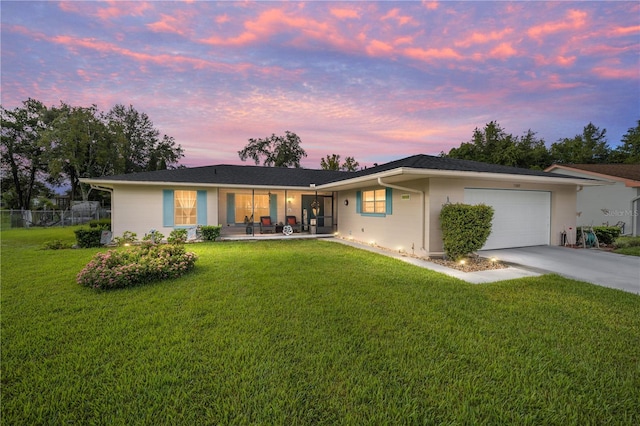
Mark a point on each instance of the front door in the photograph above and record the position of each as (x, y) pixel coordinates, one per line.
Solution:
(324, 214)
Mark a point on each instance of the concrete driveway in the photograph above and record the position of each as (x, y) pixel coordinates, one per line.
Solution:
(593, 266)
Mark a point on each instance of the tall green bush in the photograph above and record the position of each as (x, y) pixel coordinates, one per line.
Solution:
(210, 233)
(88, 237)
(465, 228)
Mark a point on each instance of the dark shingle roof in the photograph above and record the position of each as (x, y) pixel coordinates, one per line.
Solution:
(452, 164)
(624, 171)
(226, 174)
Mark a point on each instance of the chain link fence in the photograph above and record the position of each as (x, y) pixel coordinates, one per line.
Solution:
(46, 218)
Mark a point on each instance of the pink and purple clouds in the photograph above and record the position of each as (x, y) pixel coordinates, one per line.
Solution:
(373, 80)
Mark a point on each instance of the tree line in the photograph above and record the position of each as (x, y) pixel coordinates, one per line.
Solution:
(46, 147)
(494, 145)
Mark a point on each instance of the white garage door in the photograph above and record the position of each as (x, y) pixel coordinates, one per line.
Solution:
(520, 218)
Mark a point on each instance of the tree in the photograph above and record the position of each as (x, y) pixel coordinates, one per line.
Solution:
(493, 145)
(138, 142)
(278, 151)
(78, 146)
(332, 162)
(588, 148)
(22, 152)
(629, 151)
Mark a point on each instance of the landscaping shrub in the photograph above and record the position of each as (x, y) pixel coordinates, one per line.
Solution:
(153, 237)
(210, 233)
(465, 228)
(605, 234)
(137, 265)
(100, 223)
(55, 245)
(626, 242)
(88, 237)
(178, 236)
(128, 237)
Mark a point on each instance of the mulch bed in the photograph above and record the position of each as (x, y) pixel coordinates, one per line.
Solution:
(474, 264)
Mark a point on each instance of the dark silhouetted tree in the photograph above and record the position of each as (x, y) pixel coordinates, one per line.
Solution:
(278, 151)
(588, 148)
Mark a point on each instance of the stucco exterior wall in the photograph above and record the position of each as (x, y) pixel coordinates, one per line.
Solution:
(138, 208)
(400, 231)
(403, 229)
(563, 199)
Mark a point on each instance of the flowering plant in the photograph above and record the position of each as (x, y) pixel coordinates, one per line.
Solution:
(137, 265)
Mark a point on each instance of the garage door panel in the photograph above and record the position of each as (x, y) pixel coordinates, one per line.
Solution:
(521, 218)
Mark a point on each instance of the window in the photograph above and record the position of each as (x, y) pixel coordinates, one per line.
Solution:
(374, 201)
(244, 207)
(185, 207)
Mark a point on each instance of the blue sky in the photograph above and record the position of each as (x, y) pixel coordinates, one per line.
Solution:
(374, 80)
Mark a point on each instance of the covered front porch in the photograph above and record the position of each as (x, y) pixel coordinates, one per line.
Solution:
(244, 212)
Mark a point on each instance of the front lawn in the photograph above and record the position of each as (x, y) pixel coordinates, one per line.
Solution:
(308, 332)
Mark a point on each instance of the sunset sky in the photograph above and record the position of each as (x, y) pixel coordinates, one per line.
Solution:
(374, 80)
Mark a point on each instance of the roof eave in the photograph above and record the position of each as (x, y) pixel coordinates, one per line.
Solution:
(111, 183)
(631, 183)
(426, 173)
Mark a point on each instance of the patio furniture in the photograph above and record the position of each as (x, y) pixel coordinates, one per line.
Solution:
(266, 225)
(292, 221)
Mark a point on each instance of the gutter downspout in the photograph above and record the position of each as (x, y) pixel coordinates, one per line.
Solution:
(422, 208)
(634, 219)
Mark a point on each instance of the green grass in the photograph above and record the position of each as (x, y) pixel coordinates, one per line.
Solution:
(308, 332)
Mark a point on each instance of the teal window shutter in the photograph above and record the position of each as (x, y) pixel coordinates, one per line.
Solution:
(201, 208)
(359, 202)
(167, 207)
(388, 198)
(273, 207)
(231, 208)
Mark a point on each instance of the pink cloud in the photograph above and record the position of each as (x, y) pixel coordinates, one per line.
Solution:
(222, 19)
(503, 51)
(377, 48)
(170, 24)
(575, 19)
(624, 31)
(395, 15)
(345, 13)
(616, 73)
(431, 5)
(277, 21)
(431, 54)
(114, 9)
(481, 38)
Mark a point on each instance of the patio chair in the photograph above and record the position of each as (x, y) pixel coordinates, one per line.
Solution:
(266, 225)
(292, 221)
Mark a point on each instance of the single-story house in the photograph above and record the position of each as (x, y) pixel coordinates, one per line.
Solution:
(394, 205)
(614, 204)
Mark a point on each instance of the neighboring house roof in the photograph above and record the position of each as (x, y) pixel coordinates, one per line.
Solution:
(627, 173)
(403, 169)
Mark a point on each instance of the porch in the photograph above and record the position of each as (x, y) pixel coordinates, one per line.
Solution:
(240, 212)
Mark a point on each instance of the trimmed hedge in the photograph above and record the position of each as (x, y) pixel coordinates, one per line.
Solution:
(626, 242)
(87, 238)
(465, 228)
(210, 233)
